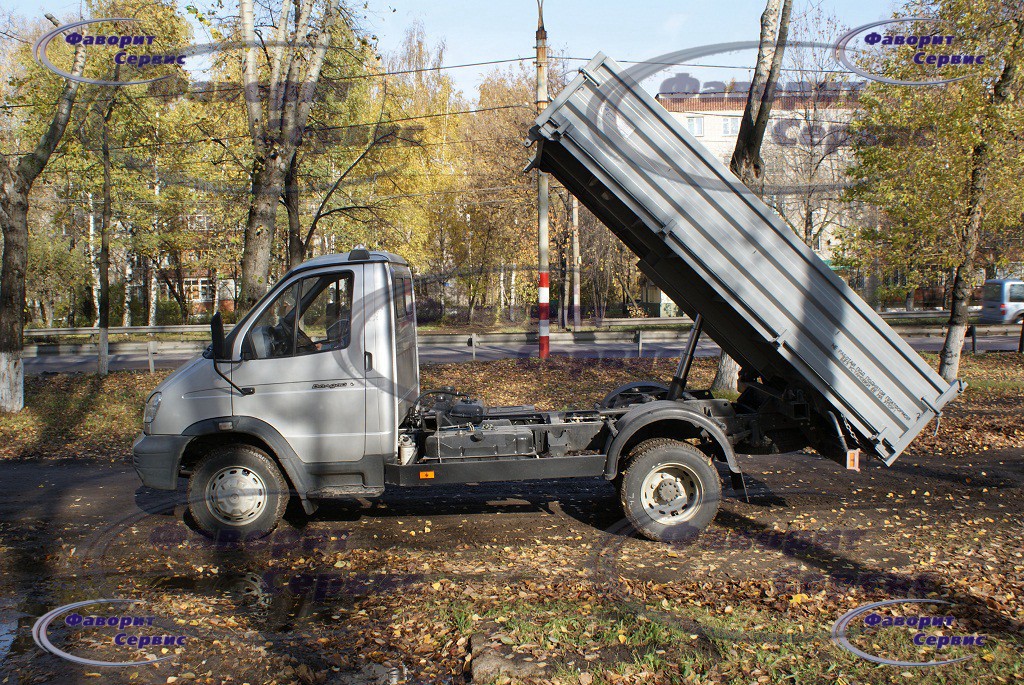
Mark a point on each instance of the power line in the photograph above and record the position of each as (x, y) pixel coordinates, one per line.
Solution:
(707, 66)
(72, 201)
(314, 130)
(228, 88)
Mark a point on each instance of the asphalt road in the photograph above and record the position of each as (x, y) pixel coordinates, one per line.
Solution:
(433, 353)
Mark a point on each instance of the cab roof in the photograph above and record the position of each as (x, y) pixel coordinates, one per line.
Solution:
(355, 256)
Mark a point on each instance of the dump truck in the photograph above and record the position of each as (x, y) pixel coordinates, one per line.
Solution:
(315, 393)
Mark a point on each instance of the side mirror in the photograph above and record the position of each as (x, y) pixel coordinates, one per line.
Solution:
(217, 336)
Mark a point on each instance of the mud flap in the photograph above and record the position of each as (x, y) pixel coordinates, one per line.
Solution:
(738, 484)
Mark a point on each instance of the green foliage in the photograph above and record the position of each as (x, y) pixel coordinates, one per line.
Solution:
(391, 158)
(913, 151)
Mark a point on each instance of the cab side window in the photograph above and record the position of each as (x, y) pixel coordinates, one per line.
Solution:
(401, 296)
(272, 334)
(326, 320)
(312, 315)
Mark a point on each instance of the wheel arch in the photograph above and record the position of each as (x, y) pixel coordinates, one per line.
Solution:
(210, 433)
(665, 419)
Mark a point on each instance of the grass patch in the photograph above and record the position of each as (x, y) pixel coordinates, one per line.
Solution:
(77, 416)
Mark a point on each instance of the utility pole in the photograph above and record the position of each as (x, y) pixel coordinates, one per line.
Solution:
(575, 264)
(543, 282)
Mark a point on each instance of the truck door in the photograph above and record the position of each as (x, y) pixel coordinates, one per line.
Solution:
(304, 358)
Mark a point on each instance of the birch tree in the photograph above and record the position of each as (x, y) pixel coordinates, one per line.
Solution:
(18, 171)
(994, 100)
(747, 162)
(943, 162)
(277, 114)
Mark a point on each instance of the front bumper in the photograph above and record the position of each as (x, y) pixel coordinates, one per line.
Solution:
(157, 459)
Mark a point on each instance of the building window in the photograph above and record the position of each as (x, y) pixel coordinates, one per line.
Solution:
(695, 125)
(731, 126)
(197, 290)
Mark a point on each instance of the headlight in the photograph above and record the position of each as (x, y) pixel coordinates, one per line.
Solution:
(152, 405)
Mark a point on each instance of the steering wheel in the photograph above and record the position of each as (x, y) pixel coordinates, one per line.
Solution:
(280, 340)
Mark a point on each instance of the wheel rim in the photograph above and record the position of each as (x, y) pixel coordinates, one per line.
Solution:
(671, 494)
(236, 495)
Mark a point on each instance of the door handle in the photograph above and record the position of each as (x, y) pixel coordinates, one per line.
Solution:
(368, 361)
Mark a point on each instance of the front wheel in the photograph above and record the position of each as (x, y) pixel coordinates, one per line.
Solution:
(237, 490)
(670, 491)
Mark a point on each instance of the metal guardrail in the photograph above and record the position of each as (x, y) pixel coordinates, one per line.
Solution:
(119, 330)
(678, 320)
(638, 337)
(599, 323)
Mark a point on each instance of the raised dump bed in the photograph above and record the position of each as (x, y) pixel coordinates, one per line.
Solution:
(716, 249)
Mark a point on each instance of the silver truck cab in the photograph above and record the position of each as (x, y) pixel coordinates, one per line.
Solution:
(317, 374)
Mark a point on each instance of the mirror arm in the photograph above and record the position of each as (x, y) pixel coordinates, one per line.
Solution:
(243, 391)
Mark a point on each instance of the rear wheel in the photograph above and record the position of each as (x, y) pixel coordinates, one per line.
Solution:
(237, 490)
(670, 490)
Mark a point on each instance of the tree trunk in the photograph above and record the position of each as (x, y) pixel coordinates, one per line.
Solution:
(963, 281)
(277, 129)
(977, 194)
(216, 292)
(126, 316)
(104, 258)
(154, 294)
(512, 294)
(563, 304)
(296, 245)
(12, 294)
(259, 232)
(746, 159)
(959, 319)
(727, 375)
(502, 295)
(94, 265)
(17, 174)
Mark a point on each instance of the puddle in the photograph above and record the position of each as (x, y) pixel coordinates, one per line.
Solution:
(376, 674)
(16, 619)
(8, 631)
(276, 604)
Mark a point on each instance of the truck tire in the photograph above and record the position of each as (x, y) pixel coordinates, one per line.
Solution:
(670, 490)
(237, 490)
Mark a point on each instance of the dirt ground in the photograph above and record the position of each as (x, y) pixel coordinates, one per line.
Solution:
(540, 581)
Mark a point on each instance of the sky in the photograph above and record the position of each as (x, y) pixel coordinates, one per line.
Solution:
(474, 31)
(496, 30)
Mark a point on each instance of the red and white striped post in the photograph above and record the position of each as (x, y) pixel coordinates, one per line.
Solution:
(543, 282)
